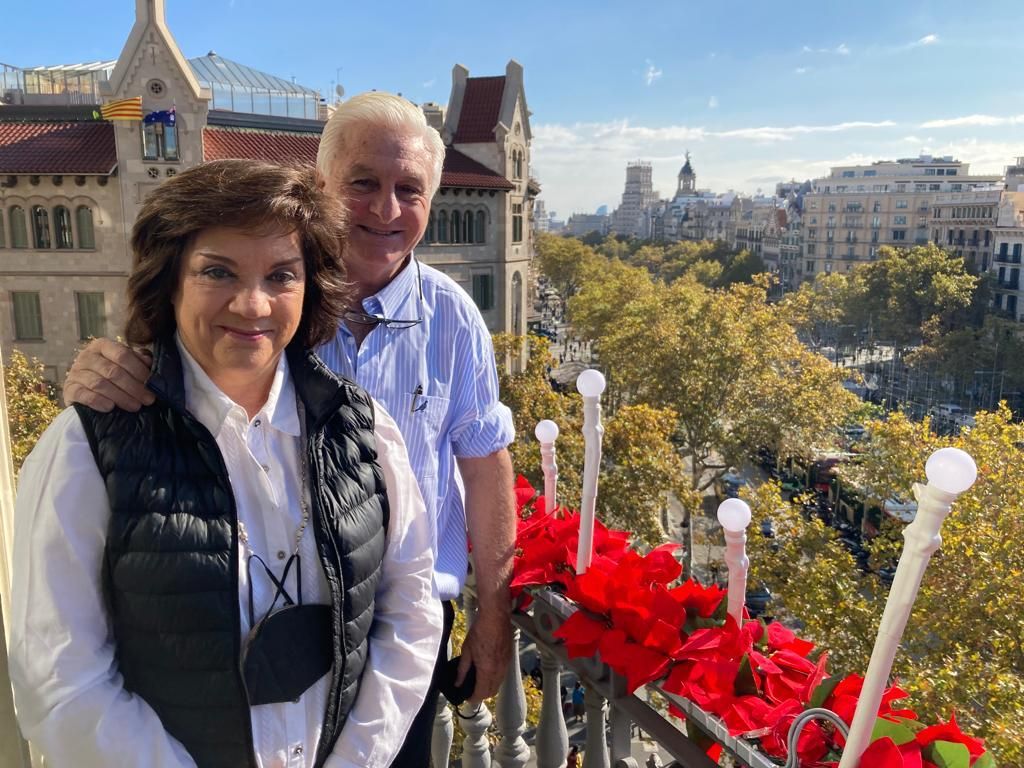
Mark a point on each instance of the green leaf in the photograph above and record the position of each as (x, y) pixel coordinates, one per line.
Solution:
(948, 754)
(746, 682)
(985, 761)
(898, 732)
(824, 690)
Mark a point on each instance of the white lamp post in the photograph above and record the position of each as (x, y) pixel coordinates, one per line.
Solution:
(547, 432)
(734, 517)
(950, 472)
(590, 384)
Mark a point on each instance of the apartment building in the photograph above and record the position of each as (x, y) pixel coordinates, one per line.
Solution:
(1007, 252)
(855, 210)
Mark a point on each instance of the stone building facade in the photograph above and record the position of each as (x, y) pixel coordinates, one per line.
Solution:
(71, 184)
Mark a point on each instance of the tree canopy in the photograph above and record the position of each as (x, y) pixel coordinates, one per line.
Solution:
(31, 404)
(963, 649)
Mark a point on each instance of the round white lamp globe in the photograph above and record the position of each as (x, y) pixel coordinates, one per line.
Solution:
(546, 431)
(590, 383)
(951, 470)
(734, 515)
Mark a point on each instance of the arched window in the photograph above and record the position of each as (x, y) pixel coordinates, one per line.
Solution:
(467, 227)
(481, 227)
(429, 236)
(86, 236)
(19, 232)
(3, 242)
(442, 226)
(456, 227)
(62, 227)
(41, 227)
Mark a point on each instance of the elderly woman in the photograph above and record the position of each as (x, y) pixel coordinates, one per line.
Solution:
(239, 574)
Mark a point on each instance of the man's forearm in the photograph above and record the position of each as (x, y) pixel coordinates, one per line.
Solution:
(490, 517)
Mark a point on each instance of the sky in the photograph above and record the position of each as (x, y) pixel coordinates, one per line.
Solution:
(757, 92)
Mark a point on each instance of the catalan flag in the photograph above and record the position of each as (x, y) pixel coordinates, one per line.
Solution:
(122, 109)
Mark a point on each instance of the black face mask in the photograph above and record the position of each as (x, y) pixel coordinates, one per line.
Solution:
(289, 649)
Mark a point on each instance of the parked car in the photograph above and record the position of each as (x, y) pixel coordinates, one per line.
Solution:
(757, 600)
(546, 333)
(728, 486)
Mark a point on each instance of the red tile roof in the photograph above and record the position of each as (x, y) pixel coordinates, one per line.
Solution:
(481, 107)
(462, 171)
(275, 146)
(57, 148)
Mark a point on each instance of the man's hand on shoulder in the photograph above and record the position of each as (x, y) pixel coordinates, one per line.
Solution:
(107, 375)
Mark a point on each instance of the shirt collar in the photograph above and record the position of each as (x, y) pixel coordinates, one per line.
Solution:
(211, 406)
(395, 294)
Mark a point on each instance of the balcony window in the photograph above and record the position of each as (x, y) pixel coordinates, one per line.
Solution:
(456, 227)
(19, 231)
(28, 316)
(62, 227)
(41, 227)
(92, 315)
(517, 222)
(483, 291)
(86, 235)
(431, 231)
(481, 227)
(159, 141)
(442, 226)
(899, 234)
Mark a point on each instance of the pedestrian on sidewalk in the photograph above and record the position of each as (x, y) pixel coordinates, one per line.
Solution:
(573, 758)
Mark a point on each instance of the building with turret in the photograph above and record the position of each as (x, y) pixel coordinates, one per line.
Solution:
(72, 182)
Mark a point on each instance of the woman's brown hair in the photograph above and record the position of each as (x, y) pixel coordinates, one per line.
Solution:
(248, 195)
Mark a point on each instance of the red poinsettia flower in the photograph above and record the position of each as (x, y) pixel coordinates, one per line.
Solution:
(885, 753)
(582, 634)
(843, 700)
(951, 732)
(813, 743)
(698, 600)
(782, 639)
(525, 493)
(638, 664)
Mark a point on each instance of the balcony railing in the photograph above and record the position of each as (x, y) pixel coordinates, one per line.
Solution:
(1006, 258)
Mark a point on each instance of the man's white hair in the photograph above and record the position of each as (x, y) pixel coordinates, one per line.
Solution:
(382, 112)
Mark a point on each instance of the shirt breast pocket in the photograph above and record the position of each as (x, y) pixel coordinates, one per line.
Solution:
(421, 422)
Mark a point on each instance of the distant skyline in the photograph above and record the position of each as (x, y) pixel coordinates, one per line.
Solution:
(758, 93)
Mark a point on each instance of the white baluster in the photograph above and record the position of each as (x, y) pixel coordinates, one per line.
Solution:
(443, 733)
(734, 517)
(476, 749)
(950, 472)
(590, 384)
(552, 741)
(620, 732)
(512, 750)
(547, 432)
(595, 753)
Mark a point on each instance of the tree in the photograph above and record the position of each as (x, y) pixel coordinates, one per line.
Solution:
(725, 362)
(907, 288)
(963, 649)
(563, 260)
(31, 404)
(639, 463)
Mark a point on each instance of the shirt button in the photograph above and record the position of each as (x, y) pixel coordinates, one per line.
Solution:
(265, 467)
(281, 554)
(298, 750)
(257, 422)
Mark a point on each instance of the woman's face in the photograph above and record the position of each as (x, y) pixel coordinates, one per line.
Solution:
(238, 304)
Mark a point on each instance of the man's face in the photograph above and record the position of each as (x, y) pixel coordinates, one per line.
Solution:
(385, 181)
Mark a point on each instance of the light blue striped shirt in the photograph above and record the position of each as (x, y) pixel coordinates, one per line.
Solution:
(448, 359)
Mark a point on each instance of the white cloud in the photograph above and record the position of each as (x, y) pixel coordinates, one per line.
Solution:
(926, 40)
(985, 121)
(841, 50)
(788, 133)
(802, 70)
(652, 73)
(430, 83)
(713, 102)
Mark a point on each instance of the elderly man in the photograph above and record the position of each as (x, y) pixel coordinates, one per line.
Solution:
(416, 342)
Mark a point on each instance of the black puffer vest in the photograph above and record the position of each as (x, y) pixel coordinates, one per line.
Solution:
(171, 563)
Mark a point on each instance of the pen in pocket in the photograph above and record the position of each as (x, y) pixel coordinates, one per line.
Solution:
(416, 393)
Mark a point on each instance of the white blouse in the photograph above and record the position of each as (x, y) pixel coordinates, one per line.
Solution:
(69, 694)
